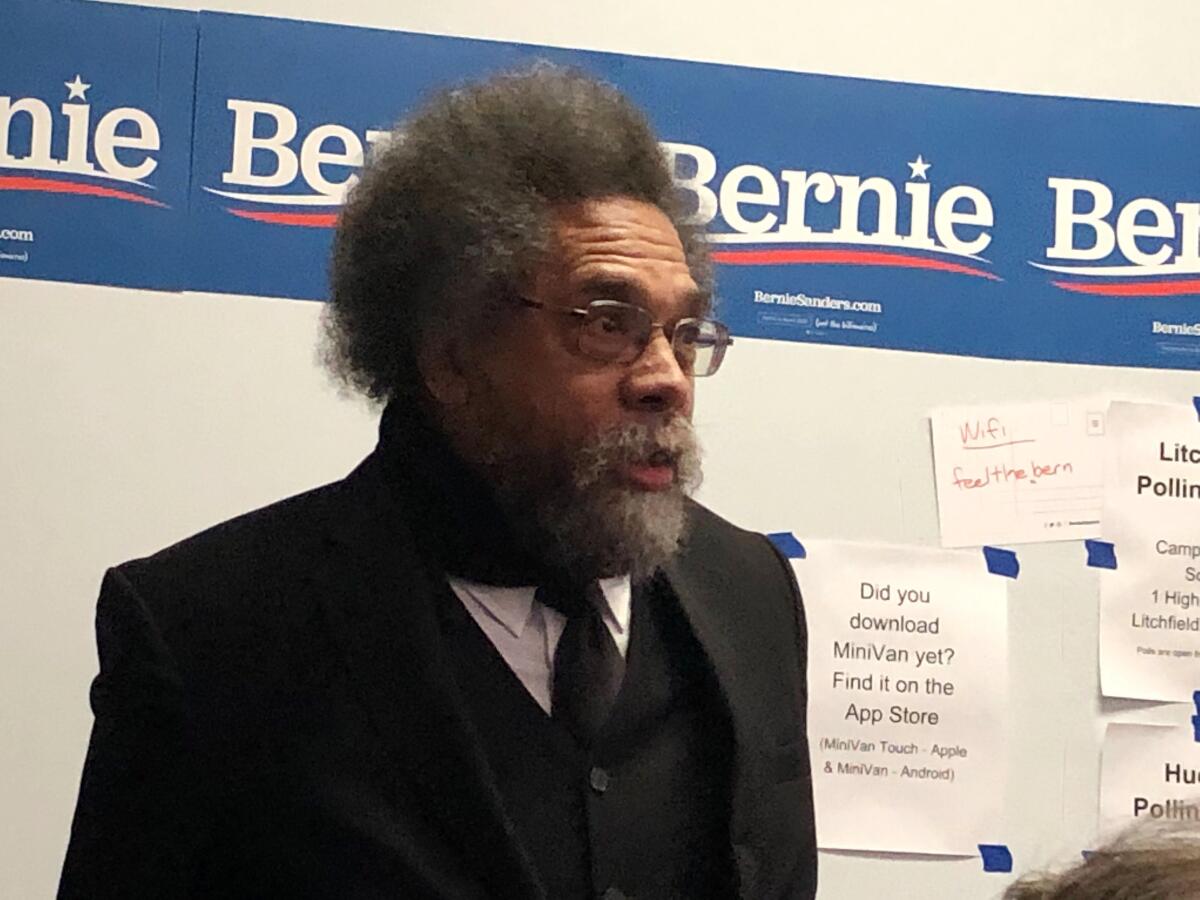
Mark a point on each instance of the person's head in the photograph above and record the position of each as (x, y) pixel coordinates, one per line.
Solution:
(1160, 861)
(500, 266)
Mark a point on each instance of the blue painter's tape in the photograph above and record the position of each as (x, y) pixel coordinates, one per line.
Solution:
(1196, 700)
(1196, 729)
(787, 544)
(996, 858)
(1196, 403)
(1101, 554)
(1002, 562)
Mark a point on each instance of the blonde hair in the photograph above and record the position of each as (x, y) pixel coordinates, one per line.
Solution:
(1152, 861)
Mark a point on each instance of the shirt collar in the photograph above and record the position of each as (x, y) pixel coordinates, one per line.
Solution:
(512, 607)
(618, 596)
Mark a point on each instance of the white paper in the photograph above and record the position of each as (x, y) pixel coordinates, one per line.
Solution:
(908, 688)
(1148, 772)
(1013, 474)
(1150, 604)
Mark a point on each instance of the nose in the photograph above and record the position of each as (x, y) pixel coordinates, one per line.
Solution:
(655, 382)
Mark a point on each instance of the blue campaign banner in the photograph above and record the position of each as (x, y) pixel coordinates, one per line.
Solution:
(841, 211)
(285, 112)
(95, 142)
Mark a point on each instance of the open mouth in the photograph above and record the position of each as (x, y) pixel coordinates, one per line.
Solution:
(655, 472)
(661, 457)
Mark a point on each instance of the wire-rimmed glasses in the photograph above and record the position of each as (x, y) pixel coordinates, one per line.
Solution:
(613, 331)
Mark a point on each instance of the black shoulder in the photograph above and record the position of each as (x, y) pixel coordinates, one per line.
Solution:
(243, 581)
(235, 548)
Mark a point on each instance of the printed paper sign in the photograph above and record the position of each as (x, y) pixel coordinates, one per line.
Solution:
(1150, 603)
(1148, 772)
(908, 694)
(1022, 473)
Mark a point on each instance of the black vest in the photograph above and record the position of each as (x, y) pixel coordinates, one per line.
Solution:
(646, 813)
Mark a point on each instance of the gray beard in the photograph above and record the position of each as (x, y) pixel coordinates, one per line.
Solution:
(608, 528)
(577, 515)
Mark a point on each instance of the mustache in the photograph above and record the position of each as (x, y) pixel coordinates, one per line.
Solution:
(670, 442)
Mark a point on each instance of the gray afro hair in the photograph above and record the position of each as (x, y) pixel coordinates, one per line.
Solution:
(453, 214)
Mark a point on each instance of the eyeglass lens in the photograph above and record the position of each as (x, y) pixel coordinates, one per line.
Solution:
(619, 331)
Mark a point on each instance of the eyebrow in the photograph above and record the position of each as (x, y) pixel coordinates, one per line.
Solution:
(696, 302)
(700, 301)
(609, 287)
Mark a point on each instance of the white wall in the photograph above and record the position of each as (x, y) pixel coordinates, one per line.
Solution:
(129, 419)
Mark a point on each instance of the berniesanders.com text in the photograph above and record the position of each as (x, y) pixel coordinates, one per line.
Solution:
(835, 304)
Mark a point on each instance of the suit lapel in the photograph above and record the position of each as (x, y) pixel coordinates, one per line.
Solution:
(380, 602)
(710, 600)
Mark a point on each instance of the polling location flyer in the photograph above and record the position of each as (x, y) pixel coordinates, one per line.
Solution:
(908, 689)
(1148, 773)
(1150, 590)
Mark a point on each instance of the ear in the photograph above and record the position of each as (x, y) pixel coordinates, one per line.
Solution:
(442, 364)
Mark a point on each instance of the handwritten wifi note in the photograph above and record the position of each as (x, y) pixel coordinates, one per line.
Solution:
(1020, 473)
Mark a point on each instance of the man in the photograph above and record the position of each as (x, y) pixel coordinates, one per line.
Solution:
(506, 656)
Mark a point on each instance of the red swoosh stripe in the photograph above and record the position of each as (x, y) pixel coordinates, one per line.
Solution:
(843, 258)
(1144, 289)
(49, 186)
(305, 220)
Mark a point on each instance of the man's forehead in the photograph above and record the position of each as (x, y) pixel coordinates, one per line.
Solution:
(622, 246)
(613, 218)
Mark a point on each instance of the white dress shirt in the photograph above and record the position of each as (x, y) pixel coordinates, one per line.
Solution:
(527, 632)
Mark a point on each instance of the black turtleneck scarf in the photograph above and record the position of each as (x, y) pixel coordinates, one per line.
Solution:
(451, 509)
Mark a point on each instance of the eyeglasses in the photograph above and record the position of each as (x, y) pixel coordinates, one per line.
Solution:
(612, 331)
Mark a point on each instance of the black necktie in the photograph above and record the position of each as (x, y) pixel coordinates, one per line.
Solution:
(588, 667)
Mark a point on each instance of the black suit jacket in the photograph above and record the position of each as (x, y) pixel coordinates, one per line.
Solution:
(274, 716)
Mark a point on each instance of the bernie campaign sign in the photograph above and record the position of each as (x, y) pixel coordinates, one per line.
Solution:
(840, 211)
(95, 142)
